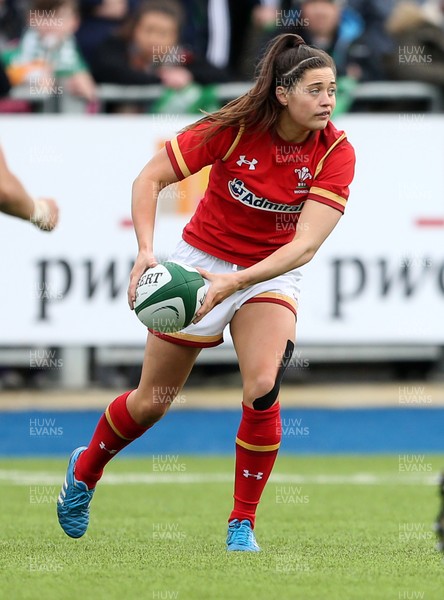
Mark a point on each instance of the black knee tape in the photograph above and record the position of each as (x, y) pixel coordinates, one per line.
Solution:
(269, 399)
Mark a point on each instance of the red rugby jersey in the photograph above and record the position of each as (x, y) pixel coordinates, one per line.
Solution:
(258, 185)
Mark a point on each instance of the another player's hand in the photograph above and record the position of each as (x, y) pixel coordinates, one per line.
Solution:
(222, 286)
(145, 260)
(46, 214)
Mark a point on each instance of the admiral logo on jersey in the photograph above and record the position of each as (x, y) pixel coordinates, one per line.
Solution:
(239, 191)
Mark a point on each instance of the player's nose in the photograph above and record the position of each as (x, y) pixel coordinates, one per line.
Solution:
(325, 99)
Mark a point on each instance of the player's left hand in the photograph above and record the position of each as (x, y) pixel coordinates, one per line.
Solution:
(222, 286)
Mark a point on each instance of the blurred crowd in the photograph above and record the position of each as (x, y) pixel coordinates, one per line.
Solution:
(187, 46)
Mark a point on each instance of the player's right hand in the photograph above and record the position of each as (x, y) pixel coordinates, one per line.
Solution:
(145, 260)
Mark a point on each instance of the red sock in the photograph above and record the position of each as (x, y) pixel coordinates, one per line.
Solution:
(115, 430)
(257, 445)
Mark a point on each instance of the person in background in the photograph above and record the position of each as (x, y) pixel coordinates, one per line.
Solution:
(5, 84)
(328, 24)
(12, 21)
(99, 20)
(229, 33)
(352, 31)
(418, 33)
(15, 201)
(334, 28)
(375, 43)
(148, 51)
(46, 55)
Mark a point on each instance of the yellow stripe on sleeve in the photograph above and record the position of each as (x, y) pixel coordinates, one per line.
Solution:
(179, 158)
(327, 194)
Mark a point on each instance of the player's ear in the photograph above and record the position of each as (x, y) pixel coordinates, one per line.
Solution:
(281, 95)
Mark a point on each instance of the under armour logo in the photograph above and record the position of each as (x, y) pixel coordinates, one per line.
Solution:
(103, 447)
(243, 161)
(255, 475)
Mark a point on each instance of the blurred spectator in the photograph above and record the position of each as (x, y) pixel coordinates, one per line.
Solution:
(334, 28)
(419, 37)
(229, 33)
(225, 32)
(242, 43)
(47, 51)
(99, 20)
(265, 13)
(351, 32)
(148, 52)
(10, 105)
(262, 22)
(5, 84)
(375, 42)
(434, 9)
(325, 24)
(12, 21)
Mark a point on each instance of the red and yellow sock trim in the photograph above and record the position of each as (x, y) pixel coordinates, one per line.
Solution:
(275, 298)
(113, 427)
(254, 448)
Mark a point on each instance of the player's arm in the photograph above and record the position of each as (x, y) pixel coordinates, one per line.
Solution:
(15, 201)
(315, 224)
(157, 174)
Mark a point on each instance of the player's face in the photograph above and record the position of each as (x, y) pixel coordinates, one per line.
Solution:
(310, 103)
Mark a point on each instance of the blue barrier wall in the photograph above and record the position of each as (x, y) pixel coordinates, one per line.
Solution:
(305, 431)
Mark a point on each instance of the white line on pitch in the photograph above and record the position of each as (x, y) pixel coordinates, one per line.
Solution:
(45, 478)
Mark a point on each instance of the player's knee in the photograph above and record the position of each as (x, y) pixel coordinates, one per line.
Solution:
(261, 386)
(263, 390)
(151, 408)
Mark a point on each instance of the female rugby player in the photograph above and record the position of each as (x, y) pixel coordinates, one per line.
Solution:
(275, 154)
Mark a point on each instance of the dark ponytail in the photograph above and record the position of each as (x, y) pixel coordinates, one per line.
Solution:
(284, 63)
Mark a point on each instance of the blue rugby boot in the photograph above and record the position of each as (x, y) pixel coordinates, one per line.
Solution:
(241, 536)
(74, 500)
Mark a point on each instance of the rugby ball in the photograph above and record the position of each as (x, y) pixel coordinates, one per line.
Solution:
(168, 296)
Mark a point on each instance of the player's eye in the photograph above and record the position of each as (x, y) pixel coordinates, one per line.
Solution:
(314, 91)
(332, 91)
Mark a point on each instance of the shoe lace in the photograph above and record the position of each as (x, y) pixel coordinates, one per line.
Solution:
(243, 534)
(80, 499)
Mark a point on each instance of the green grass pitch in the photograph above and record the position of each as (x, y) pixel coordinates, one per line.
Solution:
(350, 528)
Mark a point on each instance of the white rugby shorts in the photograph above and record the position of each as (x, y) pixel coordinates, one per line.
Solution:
(208, 332)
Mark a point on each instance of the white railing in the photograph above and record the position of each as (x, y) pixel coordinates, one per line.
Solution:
(371, 92)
